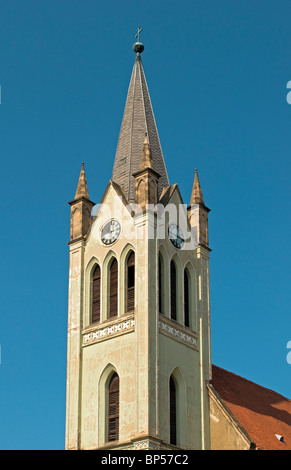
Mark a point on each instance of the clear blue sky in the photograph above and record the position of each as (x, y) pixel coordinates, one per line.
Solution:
(217, 73)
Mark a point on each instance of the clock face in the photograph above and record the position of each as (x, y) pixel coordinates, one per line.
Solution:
(110, 232)
(176, 235)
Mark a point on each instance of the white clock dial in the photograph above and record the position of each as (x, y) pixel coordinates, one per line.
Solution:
(176, 235)
(110, 232)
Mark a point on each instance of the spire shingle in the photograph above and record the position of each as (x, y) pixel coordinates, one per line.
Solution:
(138, 119)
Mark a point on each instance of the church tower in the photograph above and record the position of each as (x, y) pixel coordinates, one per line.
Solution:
(138, 359)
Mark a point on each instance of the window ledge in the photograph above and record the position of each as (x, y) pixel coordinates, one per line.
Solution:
(108, 322)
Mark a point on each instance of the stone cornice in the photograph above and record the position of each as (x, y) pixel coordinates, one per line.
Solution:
(178, 332)
(144, 442)
(108, 329)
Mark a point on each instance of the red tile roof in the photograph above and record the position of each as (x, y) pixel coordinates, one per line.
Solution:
(261, 412)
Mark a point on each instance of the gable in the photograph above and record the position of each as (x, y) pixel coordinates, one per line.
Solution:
(262, 413)
(112, 206)
(226, 432)
(172, 210)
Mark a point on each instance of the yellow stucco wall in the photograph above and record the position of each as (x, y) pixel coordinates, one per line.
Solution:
(226, 433)
(144, 347)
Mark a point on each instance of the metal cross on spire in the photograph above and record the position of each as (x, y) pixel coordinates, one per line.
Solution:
(138, 47)
(139, 30)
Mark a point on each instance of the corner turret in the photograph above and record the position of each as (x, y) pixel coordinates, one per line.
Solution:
(81, 208)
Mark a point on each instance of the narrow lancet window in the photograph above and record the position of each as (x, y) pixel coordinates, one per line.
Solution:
(113, 408)
(130, 283)
(96, 279)
(186, 299)
(173, 413)
(160, 284)
(113, 289)
(173, 291)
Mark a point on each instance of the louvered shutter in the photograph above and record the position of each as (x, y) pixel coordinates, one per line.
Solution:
(186, 298)
(113, 409)
(95, 314)
(160, 286)
(130, 282)
(173, 292)
(173, 414)
(113, 290)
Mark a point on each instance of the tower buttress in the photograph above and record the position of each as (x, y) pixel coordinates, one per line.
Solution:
(81, 208)
(198, 219)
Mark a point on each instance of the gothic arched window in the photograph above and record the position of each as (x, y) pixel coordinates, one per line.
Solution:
(153, 192)
(186, 298)
(96, 295)
(113, 408)
(113, 289)
(130, 282)
(173, 274)
(160, 280)
(173, 412)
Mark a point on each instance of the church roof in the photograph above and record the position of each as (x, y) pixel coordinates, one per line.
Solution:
(138, 120)
(264, 414)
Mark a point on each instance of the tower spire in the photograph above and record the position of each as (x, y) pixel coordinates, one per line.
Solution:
(146, 158)
(82, 188)
(81, 208)
(138, 119)
(198, 213)
(196, 196)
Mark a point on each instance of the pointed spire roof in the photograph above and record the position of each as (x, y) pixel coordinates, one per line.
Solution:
(82, 188)
(196, 196)
(146, 158)
(138, 119)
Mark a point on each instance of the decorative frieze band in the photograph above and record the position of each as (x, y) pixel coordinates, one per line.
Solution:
(142, 445)
(177, 333)
(101, 333)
